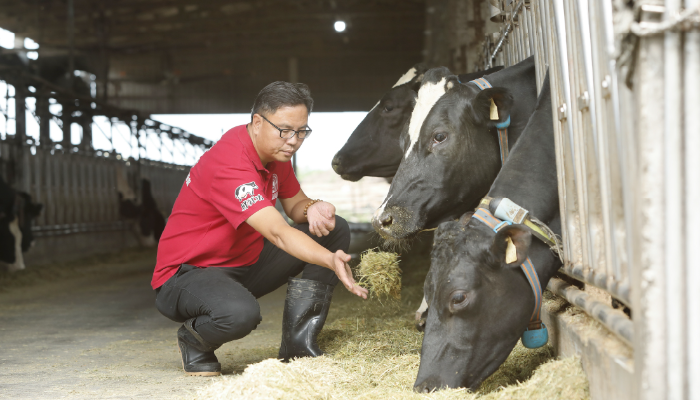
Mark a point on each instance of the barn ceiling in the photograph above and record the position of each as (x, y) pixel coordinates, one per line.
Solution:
(195, 56)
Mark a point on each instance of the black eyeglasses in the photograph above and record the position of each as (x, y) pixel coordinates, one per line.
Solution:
(289, 133)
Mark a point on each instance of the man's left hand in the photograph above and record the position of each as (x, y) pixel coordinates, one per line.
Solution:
(321, 217)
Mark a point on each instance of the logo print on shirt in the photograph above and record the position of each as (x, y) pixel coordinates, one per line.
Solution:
(188, 180)
(246, 195)
(275, 186)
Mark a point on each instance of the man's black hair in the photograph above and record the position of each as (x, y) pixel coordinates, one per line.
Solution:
(281, 94)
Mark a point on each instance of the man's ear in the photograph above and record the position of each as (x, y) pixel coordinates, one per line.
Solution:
(257, 121)
(520, 239)
(481, 106)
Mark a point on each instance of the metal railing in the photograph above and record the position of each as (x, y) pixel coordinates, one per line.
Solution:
(78, 184)
(626, 89)
(79, 191)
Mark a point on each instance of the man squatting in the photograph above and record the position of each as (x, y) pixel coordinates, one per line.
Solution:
(225, 245)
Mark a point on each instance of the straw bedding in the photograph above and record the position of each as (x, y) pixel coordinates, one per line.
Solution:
(373, 351)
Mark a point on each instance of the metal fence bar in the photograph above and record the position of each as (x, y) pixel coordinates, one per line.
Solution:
(691, 98)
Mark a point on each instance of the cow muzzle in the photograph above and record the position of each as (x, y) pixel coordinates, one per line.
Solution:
(393, 223)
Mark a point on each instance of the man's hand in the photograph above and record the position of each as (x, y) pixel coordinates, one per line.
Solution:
(342, 270)
(321, 217)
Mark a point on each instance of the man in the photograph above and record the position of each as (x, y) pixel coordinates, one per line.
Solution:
(225, 244)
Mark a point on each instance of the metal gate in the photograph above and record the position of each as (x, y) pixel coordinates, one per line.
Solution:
(625, 84)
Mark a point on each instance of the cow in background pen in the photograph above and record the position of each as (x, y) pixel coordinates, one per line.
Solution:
(17, 211)
(151, 222)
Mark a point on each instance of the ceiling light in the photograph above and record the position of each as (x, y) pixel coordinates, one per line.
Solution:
(339, 26)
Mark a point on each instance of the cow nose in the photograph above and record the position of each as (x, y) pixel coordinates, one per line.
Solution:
(423, 388)
(336, 164)
(382, 221)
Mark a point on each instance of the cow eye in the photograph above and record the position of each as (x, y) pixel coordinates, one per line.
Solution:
(439, 137)
(458, 300)
(388, 108)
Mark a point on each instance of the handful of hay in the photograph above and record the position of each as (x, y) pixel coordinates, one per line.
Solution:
(380, 273)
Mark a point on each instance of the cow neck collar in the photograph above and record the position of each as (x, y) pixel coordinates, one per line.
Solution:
(502, 127)
(536, 333)
(510, 211)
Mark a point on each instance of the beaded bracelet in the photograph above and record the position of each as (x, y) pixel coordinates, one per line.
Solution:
(312, 202)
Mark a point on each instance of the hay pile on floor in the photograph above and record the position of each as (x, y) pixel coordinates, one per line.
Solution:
(373, 351)
(380, 273)
(377, 356)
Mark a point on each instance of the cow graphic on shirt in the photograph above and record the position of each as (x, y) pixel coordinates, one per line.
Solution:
(246, 195)
(246, 190)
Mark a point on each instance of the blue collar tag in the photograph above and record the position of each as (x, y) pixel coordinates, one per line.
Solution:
(535, 338)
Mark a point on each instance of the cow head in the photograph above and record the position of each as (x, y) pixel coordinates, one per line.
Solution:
(479, 304)
(373, 147)
(451, 155)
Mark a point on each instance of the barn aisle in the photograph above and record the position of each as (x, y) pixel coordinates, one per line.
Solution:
(98, 335)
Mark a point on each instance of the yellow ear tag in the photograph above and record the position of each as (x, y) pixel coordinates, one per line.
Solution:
(494, 111)
(511, 251)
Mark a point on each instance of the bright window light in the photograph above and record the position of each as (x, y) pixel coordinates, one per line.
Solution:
(339, 26)
(30, 44)
(32, 55)
(7, 39)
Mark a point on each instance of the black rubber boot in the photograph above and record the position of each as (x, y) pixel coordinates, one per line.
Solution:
(198, 357)
(305, 312)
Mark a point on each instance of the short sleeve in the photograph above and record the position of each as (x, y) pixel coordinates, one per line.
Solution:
(289, 185)
(238, 194)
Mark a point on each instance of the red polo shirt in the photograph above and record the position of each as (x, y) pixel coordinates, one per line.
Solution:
(228, 184)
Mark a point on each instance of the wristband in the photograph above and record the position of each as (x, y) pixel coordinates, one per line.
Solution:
(312, 202)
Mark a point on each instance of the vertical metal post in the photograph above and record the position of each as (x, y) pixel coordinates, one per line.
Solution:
(67, 118)
(70, 21)
(42, 110)
(649, 301)
(20, 113)
(673, 207)
(691, 99)
(86, 142)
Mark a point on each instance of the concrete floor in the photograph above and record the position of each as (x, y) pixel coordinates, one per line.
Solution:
(98, 335)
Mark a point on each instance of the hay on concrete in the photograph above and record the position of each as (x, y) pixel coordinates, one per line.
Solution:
(373, 351)
(380, 273)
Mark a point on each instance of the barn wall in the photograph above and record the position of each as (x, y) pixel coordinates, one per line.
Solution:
(454, 32)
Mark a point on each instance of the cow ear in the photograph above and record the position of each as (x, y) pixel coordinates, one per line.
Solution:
(464, 219)
(418, 79)
(482, 108)
(511, 245)
(451, 83)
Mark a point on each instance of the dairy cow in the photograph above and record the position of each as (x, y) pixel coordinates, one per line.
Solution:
(451, 144)
(373, 148)
(17, 211)
(150, 221)
(481, 299)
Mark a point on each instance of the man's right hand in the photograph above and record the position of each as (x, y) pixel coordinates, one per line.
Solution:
(342, 270)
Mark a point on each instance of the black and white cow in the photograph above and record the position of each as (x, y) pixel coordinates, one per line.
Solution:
(17, 211)
(451, 147)
(480, 302)
(151, 222)
(373, 148)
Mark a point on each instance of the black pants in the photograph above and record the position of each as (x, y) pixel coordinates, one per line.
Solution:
(224, 299)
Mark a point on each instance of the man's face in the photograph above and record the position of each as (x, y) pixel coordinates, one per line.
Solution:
(268, 143)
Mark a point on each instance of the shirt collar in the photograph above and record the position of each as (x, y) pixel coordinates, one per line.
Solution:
(247, 142)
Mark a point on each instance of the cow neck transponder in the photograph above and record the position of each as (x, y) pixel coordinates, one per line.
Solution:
(508, 210)
(536, 333)
(502, 127)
